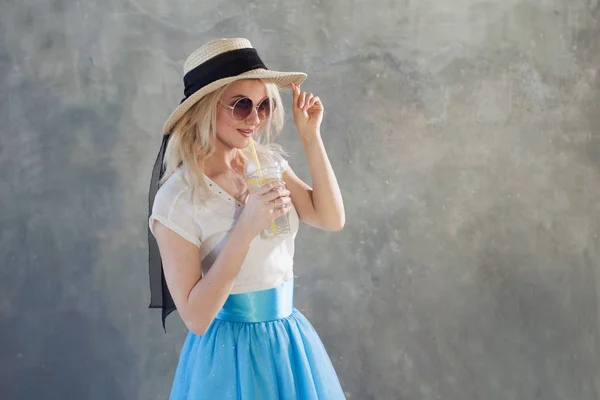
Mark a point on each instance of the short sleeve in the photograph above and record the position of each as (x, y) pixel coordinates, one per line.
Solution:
(175, 210)
(283, 163)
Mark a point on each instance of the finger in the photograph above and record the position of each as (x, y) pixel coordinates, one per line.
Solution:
(301, 99)
(269, 198)
(318, 102)
(280, 201)
(268, 187)
(281, 192)
(295, 92)
(281, 211)
(310, 104)
(284, 201)
(308, 100)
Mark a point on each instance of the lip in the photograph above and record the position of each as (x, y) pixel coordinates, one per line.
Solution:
(246, 134)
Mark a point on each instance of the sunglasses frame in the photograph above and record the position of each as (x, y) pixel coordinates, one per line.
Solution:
(232, 108)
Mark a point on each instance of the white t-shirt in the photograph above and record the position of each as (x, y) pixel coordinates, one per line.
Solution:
(268, 263)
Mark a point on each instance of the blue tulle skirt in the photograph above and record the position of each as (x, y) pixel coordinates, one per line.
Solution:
(259, 347)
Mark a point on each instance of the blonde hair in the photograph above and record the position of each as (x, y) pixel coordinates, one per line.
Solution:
(193, 138)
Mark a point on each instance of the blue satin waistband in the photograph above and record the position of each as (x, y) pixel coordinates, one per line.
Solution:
(259, 306)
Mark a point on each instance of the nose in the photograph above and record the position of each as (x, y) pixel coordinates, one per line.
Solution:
(253, 117)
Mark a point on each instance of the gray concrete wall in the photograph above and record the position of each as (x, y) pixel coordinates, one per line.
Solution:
(466, 138)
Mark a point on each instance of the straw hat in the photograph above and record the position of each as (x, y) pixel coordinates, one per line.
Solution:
(219, 63)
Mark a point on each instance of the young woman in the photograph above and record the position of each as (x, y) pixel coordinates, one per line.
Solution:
(232, 288)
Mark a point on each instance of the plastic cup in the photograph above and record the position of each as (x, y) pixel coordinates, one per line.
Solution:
(255, 180)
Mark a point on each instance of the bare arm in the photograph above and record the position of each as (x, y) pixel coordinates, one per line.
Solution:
(199, 299)
(321, 206)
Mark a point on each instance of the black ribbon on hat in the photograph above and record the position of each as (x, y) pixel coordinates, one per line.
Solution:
(224, 65)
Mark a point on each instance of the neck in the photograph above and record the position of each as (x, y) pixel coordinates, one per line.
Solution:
(221, 161)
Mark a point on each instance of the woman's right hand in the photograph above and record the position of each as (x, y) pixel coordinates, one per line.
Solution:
(269, 202)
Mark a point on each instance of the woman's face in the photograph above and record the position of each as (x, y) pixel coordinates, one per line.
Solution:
(231, 132)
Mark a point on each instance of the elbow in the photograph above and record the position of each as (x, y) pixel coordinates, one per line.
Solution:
(336, 225)
(196, 326)
(341, 221)
(197, 329)
(339, 226)
(198, 332)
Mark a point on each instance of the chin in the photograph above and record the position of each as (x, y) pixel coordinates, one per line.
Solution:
(242, 144)
(235, 143)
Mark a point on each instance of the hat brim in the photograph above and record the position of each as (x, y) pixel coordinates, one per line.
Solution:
(281, 79)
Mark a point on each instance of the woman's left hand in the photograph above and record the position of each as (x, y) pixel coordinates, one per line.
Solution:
(308, 112)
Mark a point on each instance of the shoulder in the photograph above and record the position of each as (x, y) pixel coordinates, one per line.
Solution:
(174, 191)
(173, 207)
(279, 159)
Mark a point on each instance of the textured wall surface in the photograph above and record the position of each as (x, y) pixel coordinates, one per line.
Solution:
(465, 135)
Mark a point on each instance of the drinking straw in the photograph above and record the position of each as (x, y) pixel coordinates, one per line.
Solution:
(273, 224)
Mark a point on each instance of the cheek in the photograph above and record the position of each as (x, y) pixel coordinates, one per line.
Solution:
(224, 123)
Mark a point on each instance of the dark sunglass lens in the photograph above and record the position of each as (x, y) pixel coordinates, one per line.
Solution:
(264, 109)
(242, 109)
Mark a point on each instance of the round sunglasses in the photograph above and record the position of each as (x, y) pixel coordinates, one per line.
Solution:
(243, 107)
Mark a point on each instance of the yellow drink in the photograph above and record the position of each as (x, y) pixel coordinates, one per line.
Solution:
(255, 180)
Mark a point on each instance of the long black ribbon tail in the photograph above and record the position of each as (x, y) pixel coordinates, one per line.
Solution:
(159, 293)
